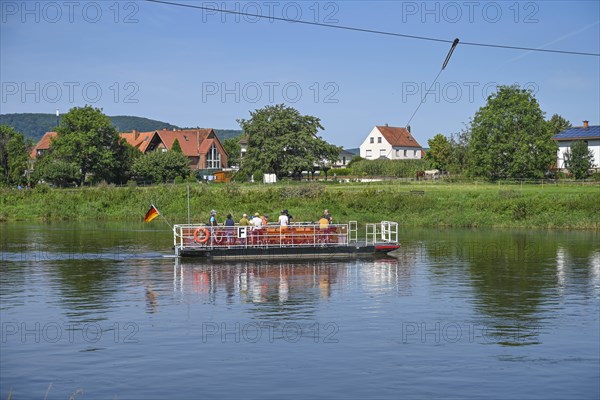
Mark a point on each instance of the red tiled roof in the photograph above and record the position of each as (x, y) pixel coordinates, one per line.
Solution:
(398, 137)
(43, 144)
(191, 140)
(140, 142)
(205, 146)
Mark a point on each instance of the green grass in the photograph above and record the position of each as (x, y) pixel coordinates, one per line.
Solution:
(442, 205)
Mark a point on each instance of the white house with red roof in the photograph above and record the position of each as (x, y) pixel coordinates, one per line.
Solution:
(390, 142)
(201, 146)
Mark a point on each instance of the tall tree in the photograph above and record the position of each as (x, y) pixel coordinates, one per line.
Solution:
(510, 138)
(233, 149)
(282, 141)
(440, 151)
(558, 124)
(579, 159)
(14, 155)
(87, 138)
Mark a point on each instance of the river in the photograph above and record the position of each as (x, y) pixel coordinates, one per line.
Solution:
(100, 310)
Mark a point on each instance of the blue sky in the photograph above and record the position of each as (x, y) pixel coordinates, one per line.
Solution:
(197, 68)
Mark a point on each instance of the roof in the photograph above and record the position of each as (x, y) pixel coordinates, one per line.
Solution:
(346, 153)
(190, 140)
(44, 143)
(579, 132)
(398, 137)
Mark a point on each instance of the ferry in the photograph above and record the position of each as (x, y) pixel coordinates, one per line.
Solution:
(295, 241)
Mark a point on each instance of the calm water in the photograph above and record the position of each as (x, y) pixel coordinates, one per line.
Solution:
(96, 310)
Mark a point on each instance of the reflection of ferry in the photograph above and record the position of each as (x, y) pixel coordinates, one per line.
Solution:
(293, 241)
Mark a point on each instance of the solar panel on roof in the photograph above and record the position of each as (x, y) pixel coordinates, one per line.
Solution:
(580, 132)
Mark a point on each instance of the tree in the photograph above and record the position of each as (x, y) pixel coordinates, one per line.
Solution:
(558, 124)
(176, 147)
(14, 155)
(459, 142)
(282, 141)
(56, 171)
(233, 149)
(440, 151)
(510, 138)
(579, 159)
(159, 166)
(87, 138)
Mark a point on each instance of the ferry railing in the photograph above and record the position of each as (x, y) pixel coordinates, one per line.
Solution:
(385, 231)
(371, 233)
(297, 235)
(352, 232)
(389, 231)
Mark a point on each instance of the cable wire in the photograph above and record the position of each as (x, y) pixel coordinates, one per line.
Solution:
(350, 28)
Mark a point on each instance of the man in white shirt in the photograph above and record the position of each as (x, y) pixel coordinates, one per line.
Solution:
(283, 219)
(257, 221)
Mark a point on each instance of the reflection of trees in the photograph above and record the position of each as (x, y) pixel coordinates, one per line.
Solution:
(512, 273)
(87, 287)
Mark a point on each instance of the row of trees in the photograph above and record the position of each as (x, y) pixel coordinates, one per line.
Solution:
(87, 148)
(508, 138)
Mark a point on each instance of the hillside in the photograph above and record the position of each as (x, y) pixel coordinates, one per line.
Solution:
(35, 125)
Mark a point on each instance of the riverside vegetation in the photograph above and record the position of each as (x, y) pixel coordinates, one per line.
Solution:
(441, 204)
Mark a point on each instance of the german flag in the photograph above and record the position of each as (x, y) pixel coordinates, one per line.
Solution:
(151, 214)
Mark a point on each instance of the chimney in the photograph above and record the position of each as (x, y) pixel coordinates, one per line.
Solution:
(586, 124)
(136, 134)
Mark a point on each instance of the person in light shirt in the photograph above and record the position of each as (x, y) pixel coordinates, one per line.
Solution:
(257, 222)
(283, 219)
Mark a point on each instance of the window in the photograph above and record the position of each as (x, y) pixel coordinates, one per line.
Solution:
(379, 140)
(213, 158)
(368, 153)
(372, 140)
(381, 152)
(405, 153)
(343, 160)
(397, 153)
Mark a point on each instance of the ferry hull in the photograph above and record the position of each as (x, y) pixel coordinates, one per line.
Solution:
(318, 252)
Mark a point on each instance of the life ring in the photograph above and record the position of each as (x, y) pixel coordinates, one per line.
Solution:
(202, 239)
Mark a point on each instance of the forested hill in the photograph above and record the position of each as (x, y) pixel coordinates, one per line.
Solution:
(35, 125)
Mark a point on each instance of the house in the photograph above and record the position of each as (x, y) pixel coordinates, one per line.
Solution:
(201, 146)
(392, 143)
(43, 145)
(587, 133)
(344, 158)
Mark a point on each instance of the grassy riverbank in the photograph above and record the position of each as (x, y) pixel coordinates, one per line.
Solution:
(456, 205)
